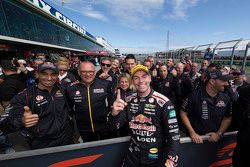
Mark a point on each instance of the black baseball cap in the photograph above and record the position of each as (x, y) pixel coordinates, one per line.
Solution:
(217, 74)
(46, 66)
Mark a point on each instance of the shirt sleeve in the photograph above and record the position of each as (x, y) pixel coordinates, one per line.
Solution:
(11, 121)
(171, 129)
(187, 104)
(228, 112)
(115, 122)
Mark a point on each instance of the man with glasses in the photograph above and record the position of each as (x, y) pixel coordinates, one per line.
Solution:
(106, 73)
(152, 120)
(91, 99)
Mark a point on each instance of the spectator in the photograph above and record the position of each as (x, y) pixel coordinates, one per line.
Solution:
(182, 86)
(65, 77)
(241, 151)
(162, 84)
(12, 84)
(115, 67)
(152, 61)
(208, 55)
(204, 65)
(208, 111)
(170, 65)
(152, 120)
(91, 99)
(193, 74)
(106, 73)
(130, 62)
(42, 109)
(126, 89)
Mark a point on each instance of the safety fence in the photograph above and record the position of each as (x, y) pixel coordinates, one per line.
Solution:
(110, 153)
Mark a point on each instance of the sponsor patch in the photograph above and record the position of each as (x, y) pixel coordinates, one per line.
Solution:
(151, 100)
(98, 90)
(220, 104)
(153, 156)
(176, 137)
(172, 113)
(39, 97)
(153, 150)
(171, 121)
(170, 107)
(173, 130)
(142, 119)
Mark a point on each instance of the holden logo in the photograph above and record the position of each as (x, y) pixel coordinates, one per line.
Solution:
(39, 98)
(151, 100)
(77, 92)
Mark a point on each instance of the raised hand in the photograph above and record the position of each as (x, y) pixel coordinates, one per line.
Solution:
(154, 73)
(29, 119)
(119, 104)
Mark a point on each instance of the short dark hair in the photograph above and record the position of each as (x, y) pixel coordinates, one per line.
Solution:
(130, 56)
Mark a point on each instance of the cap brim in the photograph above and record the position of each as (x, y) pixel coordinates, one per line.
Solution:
(226, 77)
(53, 69)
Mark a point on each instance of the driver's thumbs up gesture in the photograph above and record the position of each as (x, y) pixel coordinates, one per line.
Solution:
(119, 104)
(29, 119)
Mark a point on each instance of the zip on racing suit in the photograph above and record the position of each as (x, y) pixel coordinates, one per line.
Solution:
(155, 133)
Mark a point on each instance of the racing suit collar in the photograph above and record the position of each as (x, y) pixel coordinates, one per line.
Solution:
(147, 97)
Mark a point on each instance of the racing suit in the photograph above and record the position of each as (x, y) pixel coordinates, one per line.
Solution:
(155, 133)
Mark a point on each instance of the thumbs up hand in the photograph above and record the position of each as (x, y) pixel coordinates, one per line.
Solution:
(154, 73)
(119, 104)
(29, 119)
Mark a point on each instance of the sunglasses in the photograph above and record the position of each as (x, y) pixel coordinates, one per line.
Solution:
(107, 65)
(62, 70)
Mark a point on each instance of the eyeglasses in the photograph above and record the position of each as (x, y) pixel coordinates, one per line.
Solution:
(87, 72)
(40, 59)
(107, 65)
(62, 70)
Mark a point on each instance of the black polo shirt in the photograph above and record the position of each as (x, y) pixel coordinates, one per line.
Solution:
(205, 113)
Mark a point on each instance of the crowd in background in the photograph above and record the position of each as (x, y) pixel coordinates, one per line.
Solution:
(88, 96)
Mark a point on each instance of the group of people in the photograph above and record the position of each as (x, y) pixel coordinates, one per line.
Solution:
(154, 102)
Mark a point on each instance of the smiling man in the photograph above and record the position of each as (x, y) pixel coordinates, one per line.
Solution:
(153, 123)
(42, 110)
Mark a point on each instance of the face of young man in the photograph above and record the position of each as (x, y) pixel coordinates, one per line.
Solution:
(40, 59)
(170, 62)
(87, 72)
(105, 65)
(115, 64)
(147, 64)
(142, 81)
(163, 71)
(47, 79)
(219, 85)
(130, 63)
